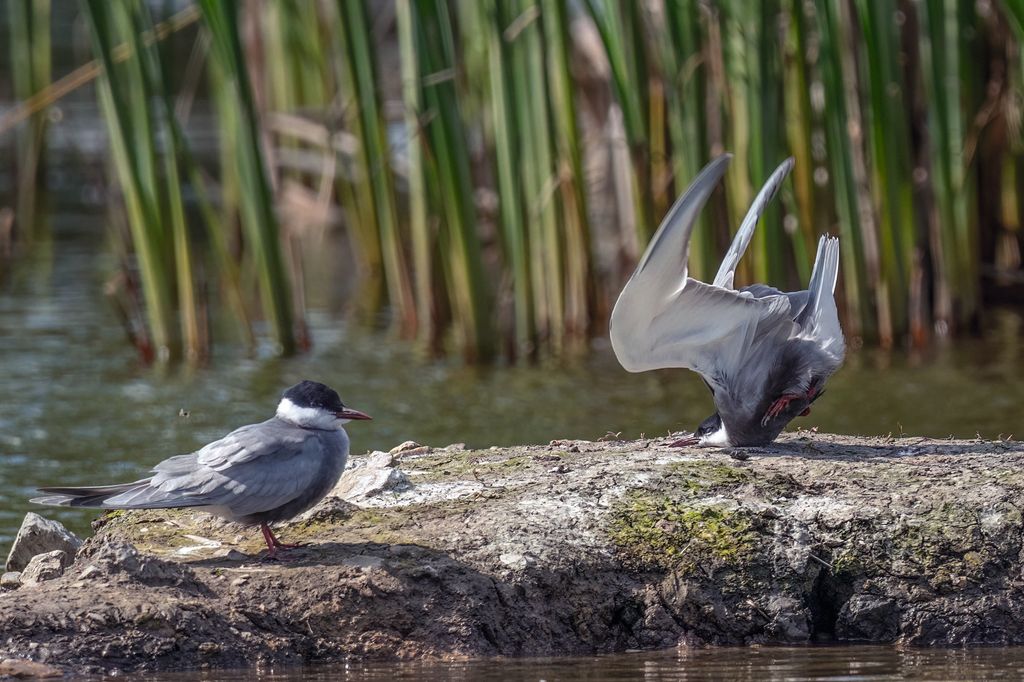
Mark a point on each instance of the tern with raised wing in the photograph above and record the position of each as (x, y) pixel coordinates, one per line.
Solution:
(256, 475)
(764, 353)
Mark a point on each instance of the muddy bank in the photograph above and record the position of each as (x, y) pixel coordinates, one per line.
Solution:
(575, 547)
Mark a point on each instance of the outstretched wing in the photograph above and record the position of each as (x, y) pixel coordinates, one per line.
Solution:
(663, 318)
(727, 270)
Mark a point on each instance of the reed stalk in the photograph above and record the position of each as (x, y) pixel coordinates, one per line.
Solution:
(684, 67)
(423, 248)
(889, 139)
(621, 30)
(29, 31)
(568, 172)
(255, 201)
(124, 99)
(375, 153)
(468, 290)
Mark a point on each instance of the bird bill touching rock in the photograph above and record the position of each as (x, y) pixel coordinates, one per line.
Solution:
(764, 353)
(256, 475)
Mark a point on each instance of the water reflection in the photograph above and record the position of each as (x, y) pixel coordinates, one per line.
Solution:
(754, 664)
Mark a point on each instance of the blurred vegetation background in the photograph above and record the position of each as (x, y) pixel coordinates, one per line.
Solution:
(495, 168)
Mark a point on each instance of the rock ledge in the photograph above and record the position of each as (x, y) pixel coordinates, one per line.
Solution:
(571, 548)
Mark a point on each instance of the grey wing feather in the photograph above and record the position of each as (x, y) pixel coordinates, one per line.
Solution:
(820, 318)
(666, 254)
(266, 483)
(84, 496)
(252, 469)
(727, 270)
(761, 290)
(662, 269)
(663, 318)
(710, 330)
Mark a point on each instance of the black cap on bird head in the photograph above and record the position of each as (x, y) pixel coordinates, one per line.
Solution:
(709, 426)
(317, 396)
(314, 394)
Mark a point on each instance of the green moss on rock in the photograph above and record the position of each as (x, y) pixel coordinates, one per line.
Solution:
(700, 475)
(662, 532)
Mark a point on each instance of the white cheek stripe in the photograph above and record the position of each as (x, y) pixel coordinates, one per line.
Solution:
(305, 416)
(719, 437)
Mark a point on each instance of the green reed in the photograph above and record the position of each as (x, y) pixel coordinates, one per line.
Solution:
(29, 39)
(255, 202)
(884, 104)
(126, 92)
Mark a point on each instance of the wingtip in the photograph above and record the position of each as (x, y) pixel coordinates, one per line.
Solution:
(51, 500)
(723, 159)
(683, 214)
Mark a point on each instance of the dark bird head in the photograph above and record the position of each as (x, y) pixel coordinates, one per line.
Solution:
(710, 432)
(311, 404)
(710, 427)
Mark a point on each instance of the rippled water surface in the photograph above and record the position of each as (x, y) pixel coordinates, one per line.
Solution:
(756, 664)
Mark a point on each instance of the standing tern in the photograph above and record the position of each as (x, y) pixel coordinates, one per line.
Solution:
(764, 353)
(256, 475)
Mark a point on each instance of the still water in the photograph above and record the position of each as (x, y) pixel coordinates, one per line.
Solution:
(754, 664)
(78, 408)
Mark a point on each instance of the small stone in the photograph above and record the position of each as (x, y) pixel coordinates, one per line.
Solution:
(38, 535)
(11, 580)
(20, 668)
(666, 526)
(239, 581)
(379, 460)
(329, 509)
(116, 558)
(514, 560)
(456, 447)
(209, 648)
(44, 567)
(375, 475)
(404, 447)
(90, 571)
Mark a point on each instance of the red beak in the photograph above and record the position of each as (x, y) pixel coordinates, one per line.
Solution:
(349, 413)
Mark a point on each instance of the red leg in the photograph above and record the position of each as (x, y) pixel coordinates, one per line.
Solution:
(811, 393)
(780, 404)
(273, 544)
